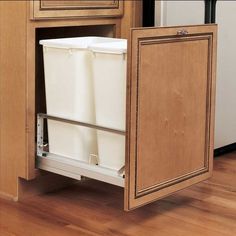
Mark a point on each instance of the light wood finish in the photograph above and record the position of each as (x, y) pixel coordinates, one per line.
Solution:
(92, 208)
(171, 115)
(18, 75)
(12, 95)
(41, 9)
(132, 16)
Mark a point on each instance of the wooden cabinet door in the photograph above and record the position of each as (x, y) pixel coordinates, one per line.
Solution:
(75, 8)
(170, 111)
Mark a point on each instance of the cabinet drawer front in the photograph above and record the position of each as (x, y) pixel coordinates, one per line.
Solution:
(171, 111)
(75, 8)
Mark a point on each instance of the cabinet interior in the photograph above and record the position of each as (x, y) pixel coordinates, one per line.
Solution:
(53, 33)
(53, 163)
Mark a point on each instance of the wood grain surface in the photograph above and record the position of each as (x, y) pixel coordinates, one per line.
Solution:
(170, 111)
(92, 208)
(41, 9)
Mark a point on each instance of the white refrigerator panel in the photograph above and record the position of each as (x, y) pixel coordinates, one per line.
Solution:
(225, 132)
(170, 13)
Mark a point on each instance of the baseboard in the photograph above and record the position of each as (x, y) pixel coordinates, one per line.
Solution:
(6, 196)
(224, 150)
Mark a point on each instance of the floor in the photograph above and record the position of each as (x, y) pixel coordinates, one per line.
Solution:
(93, 208)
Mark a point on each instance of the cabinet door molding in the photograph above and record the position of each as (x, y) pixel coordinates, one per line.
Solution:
(170, 111)
(41, 9)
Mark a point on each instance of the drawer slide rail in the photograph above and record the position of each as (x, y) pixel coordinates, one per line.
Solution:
(74, 168)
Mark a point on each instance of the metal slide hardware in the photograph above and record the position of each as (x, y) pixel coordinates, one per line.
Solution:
(79, 123)
(74, 168)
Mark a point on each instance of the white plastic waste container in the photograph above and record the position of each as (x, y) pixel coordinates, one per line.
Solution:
(69, 94)
(109, 75)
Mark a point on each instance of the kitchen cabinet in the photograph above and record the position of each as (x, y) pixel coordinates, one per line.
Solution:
(41, 9)
(22, 85)
(170, 101)
(170, 115)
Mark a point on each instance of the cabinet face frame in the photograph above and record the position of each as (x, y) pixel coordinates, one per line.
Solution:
(44, 9)
(137, 194)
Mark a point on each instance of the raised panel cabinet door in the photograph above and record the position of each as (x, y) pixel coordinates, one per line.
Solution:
(170, 111)
(75, 8)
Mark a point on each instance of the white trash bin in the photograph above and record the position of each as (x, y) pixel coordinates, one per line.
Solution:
(69, 94)
(109, 74)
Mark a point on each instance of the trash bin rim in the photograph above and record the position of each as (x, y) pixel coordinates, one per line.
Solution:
(113, 47)
(75, 42)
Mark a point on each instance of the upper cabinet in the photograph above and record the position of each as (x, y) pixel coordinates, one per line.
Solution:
(41, 9)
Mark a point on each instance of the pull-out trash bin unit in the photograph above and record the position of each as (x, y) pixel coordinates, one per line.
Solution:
(70, 95)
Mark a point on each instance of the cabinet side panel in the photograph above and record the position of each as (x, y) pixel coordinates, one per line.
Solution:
(12, 94)
(132, 17)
